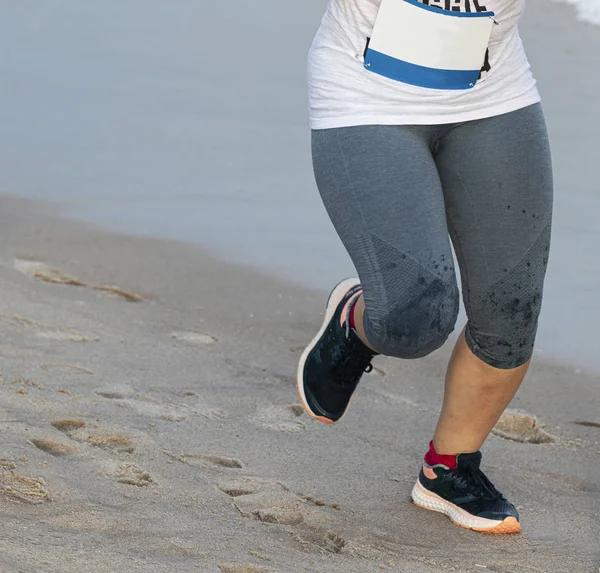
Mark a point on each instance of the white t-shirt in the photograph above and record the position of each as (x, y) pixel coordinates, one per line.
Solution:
(343, 93)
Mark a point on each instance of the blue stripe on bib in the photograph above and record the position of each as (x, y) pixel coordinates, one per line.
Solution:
(416, 75)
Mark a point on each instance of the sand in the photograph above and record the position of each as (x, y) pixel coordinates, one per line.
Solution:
(162, 432)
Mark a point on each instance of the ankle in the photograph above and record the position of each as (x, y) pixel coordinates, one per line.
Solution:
(432, 458)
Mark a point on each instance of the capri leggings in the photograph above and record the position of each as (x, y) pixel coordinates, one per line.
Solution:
(397, 195)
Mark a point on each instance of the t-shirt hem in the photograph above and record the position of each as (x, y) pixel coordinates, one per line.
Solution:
(428, 119)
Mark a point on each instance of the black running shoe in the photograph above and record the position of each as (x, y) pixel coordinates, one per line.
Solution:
(466, 496)
(332, 364)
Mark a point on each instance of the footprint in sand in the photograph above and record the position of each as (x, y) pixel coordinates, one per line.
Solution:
(53, 448)
(103, 438)
(127, 397)
(216, 461)
(18, 488)
(68, 425)
(587, 423)
(241, 486)
(281, 418)
(324, 538)
(62, 336)
(154, 408)
(94, 435)
(118, 392)
(206, 460)
(129, 474)
(213, 414)
(194, 337)
(67, 368)
(107, 440)
(243, 568)
(41, 271)
(272, 503)
(520, 426)
(49, 332)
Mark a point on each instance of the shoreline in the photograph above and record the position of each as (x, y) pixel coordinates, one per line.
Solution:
(165, 434)
(57, 211)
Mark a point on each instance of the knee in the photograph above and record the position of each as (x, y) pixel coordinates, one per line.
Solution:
(417, 327)
(503, 320)
(502, 334)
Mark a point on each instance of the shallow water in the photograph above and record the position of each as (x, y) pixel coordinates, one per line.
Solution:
(191, 123)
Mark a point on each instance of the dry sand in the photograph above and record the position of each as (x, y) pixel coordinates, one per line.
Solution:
(162, 432)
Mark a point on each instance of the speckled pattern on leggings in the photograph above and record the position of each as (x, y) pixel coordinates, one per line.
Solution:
(397, 195)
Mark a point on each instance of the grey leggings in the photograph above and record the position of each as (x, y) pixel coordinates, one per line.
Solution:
(395, 195)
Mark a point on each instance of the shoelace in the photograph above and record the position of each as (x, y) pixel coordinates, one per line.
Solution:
(472, 476)
(351, 364)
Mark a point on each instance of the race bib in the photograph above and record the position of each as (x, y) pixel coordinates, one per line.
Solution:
(428, 47)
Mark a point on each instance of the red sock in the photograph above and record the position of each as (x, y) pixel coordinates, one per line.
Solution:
(352, 321)
(432, 458)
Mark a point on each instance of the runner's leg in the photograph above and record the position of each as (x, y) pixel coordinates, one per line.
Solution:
(497, 181)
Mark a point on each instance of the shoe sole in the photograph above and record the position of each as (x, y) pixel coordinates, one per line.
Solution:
(336, 296)
(433, 502)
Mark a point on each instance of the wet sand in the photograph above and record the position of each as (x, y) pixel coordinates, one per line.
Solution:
(154, 426)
